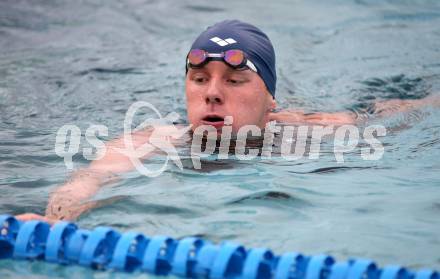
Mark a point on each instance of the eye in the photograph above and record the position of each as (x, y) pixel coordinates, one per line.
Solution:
(234, 81)
(199, 79)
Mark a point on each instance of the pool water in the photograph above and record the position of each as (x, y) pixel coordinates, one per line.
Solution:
(65, 62)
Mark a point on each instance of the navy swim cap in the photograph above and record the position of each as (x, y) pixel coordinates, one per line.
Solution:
(234, 34)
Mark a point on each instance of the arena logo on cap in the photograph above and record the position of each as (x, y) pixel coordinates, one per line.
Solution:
(221, 42)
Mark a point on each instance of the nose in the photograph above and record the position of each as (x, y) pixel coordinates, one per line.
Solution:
(214, 94)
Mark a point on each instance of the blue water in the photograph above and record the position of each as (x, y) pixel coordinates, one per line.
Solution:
(65, 62)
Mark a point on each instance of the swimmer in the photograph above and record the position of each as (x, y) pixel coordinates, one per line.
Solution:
(230, 71)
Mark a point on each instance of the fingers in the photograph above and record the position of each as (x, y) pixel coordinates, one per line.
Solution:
(29, 217)
(32, 216)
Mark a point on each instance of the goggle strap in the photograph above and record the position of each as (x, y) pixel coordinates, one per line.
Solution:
(251, 65)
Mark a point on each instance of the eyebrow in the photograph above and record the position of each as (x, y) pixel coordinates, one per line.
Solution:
(229, 70)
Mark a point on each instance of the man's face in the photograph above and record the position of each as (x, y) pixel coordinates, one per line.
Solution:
(217, 90)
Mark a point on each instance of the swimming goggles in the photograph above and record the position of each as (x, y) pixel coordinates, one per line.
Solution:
(235, 58)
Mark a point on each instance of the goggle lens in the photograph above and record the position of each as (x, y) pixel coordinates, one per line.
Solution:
(234, 57)
(196, 57)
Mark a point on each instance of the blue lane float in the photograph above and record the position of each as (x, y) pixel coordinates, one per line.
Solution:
(106, 249)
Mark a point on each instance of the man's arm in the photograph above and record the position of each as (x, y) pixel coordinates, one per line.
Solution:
(318, 118)
(381, 109)
(70, 200)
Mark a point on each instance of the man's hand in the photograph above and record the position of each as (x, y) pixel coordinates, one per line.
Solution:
(390, 107)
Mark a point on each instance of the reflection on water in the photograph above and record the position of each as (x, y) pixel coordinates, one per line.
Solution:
(64, 62)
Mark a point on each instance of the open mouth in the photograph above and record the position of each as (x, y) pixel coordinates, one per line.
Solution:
(216, 121)
(213, 118)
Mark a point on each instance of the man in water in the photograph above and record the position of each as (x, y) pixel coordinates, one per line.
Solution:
(230, 71)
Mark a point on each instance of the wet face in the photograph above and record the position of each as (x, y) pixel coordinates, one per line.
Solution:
(217, 90)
